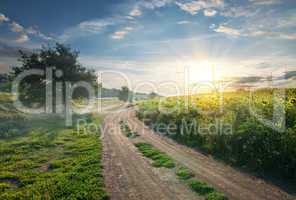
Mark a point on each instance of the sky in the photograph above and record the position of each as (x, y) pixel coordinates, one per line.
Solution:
(159, 42)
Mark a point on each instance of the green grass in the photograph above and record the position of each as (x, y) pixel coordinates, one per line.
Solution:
(216, 196)
(51, 162)
(127, 131)
(160, 159)
(13, 123)
(200, 187)
(204, 189)
(184, 173)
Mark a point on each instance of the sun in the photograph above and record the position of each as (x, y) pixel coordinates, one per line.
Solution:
(203, 71)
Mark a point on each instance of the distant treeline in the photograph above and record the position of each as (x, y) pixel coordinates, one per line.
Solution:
(125, 94)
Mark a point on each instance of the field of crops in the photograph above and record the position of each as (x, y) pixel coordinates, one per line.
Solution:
(233, 128)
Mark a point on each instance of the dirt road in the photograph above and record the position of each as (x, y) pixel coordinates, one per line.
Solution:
(130, 176)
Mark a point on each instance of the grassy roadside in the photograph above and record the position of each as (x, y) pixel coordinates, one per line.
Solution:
(126, 130)
(50, 161)
(160, 159)
(183, 173)
(204, 189)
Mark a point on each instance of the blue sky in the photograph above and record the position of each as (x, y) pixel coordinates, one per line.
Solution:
(153, 40)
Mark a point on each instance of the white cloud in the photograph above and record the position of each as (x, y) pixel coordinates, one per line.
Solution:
(90, 27)
(265, 2)
(15, 27)
(192, 7)
(3, 18)
(24, 32)
(22, 38)
(195, 6)
(31, 30)
(227, 30)
(135, 12)
(240, 11)
(212, 26)
(128, 28)
(289, 36)
(255, 33)
(36, 32)
(259, 22)
(118, 35)
(270, 34)
(183, 22)
(153, 4)
(147, 4)
(210, 12)
(94, 26)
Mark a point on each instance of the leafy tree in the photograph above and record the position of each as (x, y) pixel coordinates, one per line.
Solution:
(125, 94)
(61, 59)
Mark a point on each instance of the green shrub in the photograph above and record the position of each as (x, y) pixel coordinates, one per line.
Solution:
(184, 173)
(126, 130)
(160, 159)
(200, 187)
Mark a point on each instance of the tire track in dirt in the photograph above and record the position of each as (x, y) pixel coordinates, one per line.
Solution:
(129, 176)
(235, 184)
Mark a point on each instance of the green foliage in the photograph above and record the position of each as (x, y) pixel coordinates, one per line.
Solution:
(216, 196)
(13, 123)
(184, 173)
(127, 131)
(206, 190)
(7, 175)
(63, 59)
(52, 162)
(248, 144)
(160, 159)
(125, 94)
(200, 187)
